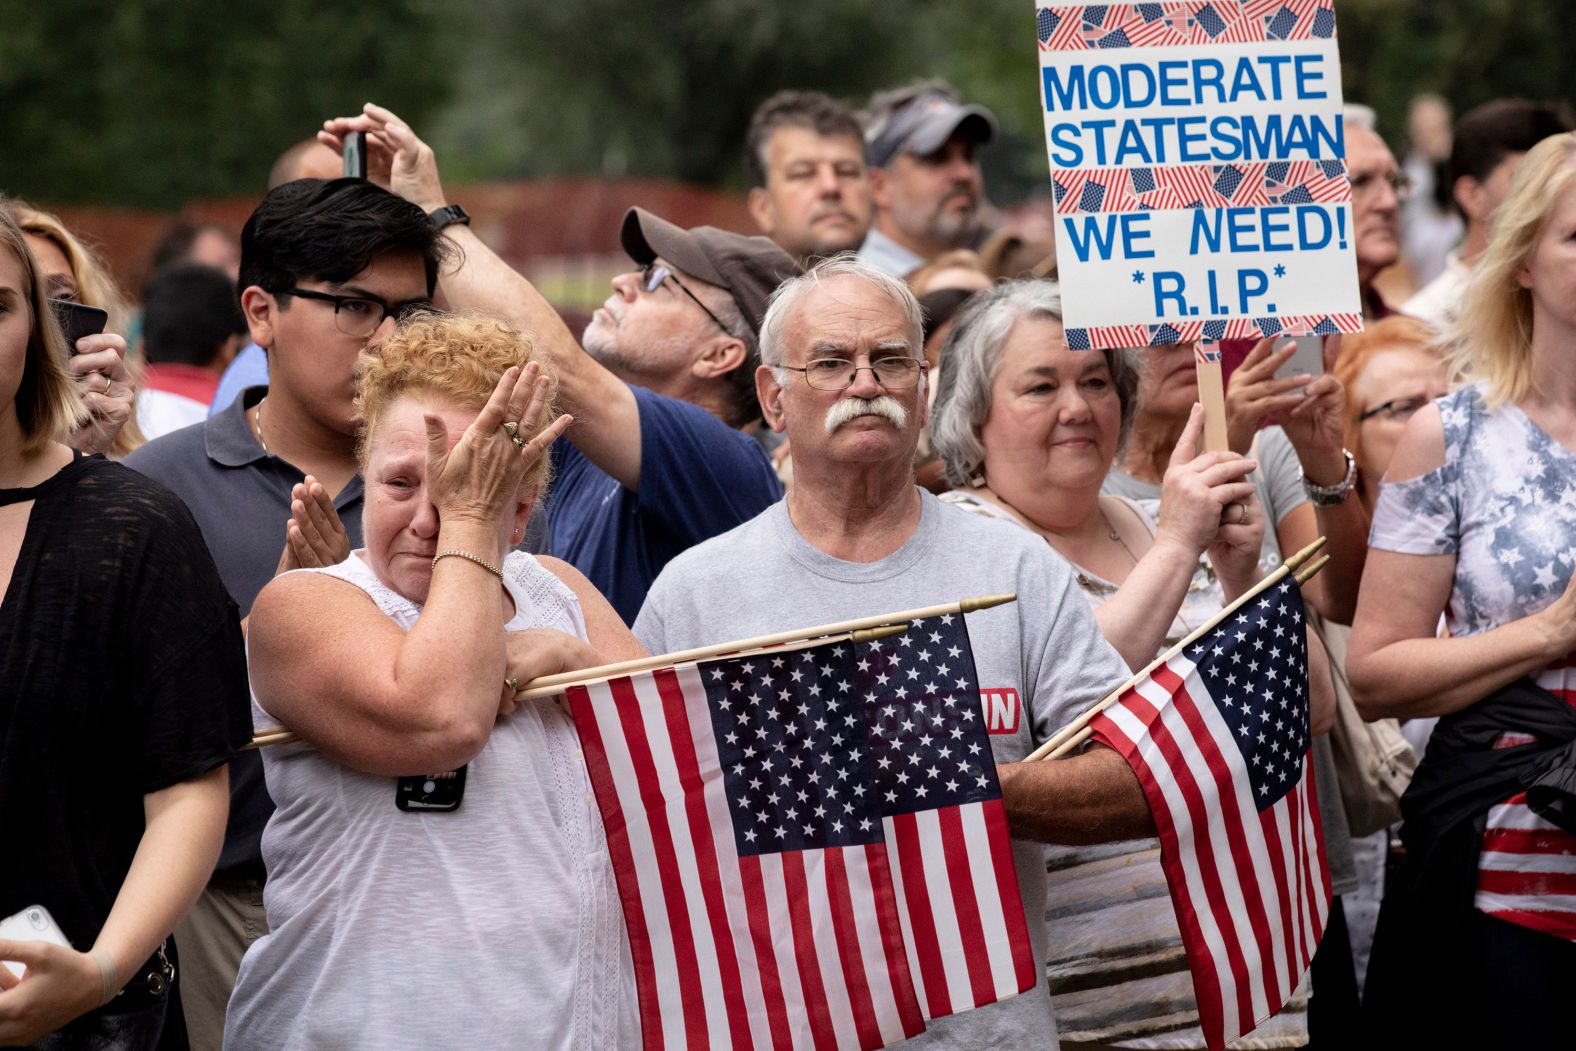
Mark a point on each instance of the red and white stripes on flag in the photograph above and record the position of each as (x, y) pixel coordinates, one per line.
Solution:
(1222, 754)
(1527, 868)
(839, 946)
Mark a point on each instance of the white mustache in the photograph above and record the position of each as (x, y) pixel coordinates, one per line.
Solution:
(846, 410)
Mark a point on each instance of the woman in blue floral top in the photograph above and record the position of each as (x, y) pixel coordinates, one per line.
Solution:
(1477, 520)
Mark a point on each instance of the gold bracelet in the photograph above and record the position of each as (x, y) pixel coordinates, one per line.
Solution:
(457, 553)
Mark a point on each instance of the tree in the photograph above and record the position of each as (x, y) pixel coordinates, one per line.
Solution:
(151, 104)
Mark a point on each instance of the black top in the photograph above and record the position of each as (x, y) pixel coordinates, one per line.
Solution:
(240, 496)
(1419, 948)
(121, 673)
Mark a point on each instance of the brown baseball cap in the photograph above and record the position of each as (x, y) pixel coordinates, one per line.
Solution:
(748, 268)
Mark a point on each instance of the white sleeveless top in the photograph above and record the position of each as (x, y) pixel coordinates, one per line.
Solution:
(496, 925)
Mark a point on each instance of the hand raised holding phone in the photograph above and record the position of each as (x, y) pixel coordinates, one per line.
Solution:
(395, 158)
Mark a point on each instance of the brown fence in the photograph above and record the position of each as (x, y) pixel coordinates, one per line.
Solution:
(562, 233)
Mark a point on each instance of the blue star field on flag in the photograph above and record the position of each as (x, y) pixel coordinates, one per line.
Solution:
(818, 744)
(1255, 667)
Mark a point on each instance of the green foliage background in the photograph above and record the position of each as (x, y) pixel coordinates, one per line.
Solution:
(150, 103)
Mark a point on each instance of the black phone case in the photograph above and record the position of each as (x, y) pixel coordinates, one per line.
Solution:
(431, 792)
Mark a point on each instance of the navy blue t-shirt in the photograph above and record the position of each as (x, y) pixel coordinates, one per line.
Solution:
(698, 478)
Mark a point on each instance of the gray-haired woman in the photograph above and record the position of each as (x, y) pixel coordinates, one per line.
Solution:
(1028, 429)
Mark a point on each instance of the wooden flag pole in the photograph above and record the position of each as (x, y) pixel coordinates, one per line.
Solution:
(607, 671)
(862, 629)
(1077, 731)
(283, 735)
(1212, 395)
(1083, 735)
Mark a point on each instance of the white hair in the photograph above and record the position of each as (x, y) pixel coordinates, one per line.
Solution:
(1358, 115)
(774, 349)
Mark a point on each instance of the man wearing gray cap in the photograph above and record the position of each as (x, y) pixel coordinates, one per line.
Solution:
(924, 179)
(656, 460)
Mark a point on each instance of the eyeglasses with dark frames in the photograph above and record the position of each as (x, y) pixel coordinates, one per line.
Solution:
(1397, 409)
(358, 315)
(892, 371)
(653, 274)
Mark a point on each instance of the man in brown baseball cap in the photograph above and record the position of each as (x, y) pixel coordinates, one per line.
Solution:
(657, 459)
(925, 181)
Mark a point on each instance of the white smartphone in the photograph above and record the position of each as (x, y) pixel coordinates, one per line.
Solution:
(1306, 360)
(32, 924)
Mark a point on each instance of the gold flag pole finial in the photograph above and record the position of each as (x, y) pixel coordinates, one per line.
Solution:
(883, 631)
(978, 602)
(1295, 562)
(1309, 571)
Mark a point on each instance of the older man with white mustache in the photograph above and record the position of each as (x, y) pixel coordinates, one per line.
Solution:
(842, 373)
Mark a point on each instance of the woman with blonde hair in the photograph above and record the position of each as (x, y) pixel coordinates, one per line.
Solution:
(1474, 521)
(120, 655)
(73, 272)
(429, 824)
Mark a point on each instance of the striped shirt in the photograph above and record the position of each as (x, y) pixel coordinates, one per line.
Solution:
(1527, 870)
(1500, 503)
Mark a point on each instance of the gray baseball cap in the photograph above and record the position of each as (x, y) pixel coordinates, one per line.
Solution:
(923, 125)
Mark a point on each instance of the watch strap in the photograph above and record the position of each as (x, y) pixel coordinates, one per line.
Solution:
(448, 215)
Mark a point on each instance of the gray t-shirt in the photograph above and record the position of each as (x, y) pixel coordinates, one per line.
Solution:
(1043, 654)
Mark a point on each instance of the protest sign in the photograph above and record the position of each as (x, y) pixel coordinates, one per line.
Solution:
(1197, 160)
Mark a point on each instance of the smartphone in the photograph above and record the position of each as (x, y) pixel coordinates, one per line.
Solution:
(431, 792)
(356, 155)
(1306, 360)
(77, 320)
(32, 924)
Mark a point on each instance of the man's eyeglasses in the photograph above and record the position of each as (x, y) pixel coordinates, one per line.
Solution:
(359, 316)
(653, 274)
(1399, 181)
(895, 372)
(1397, 409)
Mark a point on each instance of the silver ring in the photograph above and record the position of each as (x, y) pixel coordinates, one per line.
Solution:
(106, 384)
(512, 429)
(512, 683)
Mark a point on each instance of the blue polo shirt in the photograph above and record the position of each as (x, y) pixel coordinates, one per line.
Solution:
(240, 497)
(698, 478)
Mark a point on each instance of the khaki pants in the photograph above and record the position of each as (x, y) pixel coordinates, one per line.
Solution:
(213, 937)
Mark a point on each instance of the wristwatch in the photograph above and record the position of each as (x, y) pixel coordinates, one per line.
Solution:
(448, 215)
(1330, 495)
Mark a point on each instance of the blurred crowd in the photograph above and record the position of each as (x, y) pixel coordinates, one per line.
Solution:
(352, 474)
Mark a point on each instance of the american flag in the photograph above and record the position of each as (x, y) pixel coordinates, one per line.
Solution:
(810, 845)
(1527, 867)
(1074, 27)
(1218, 737)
